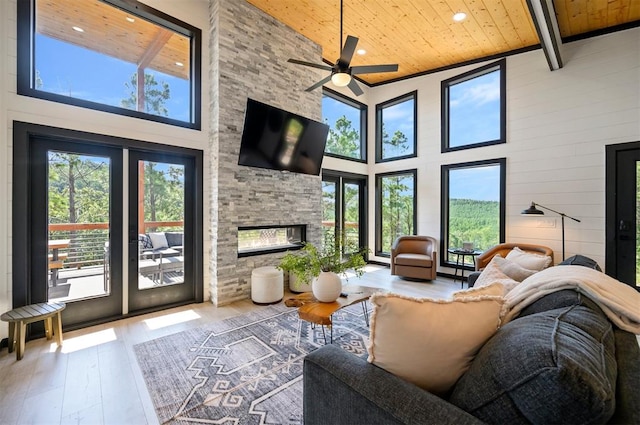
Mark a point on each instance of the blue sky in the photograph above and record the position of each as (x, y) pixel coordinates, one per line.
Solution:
(478, 183)
(80, 73)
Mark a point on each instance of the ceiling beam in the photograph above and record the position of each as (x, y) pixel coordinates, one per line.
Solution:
(546, 22)
(154, 47)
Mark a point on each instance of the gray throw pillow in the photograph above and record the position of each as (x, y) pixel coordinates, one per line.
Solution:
(556, 366)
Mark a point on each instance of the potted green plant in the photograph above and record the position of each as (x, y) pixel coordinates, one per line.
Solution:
(323, 266)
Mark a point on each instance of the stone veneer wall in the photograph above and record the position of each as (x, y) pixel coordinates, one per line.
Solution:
(249, 50)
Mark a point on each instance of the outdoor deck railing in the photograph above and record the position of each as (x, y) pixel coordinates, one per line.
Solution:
(87, 240)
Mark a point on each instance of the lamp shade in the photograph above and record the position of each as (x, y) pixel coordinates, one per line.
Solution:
(341, 79)
(532, 210)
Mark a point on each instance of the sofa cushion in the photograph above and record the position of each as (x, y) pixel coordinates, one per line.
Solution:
(559, 299)
(494, 274)
(158, 240)
(529, 260)
(555, 366)
(414, 260)
(145, 241)
(427, 342)
(174, 238)
(581, 260)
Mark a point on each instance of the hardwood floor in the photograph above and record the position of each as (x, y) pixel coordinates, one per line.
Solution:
(94, 377)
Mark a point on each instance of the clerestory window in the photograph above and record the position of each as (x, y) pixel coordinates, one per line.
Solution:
(117, 56)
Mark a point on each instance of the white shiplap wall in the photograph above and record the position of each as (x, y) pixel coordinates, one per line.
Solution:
(558, 124)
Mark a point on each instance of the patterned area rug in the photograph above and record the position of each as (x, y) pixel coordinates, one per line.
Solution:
(242, 370)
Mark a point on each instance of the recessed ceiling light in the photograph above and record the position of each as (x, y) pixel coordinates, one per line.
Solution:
(130, 19)
(460, 16)
(361, 52)
(179, 64)
(78, 29)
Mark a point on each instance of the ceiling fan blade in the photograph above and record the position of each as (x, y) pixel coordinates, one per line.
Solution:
(370, 69)
(347, 51)
(311, 64)
(355, 88)
(319, 83)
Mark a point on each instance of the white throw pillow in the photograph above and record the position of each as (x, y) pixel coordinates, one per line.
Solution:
(493, 274)
(428, 342)
(528, 260)
(512, 269)
(158, 240)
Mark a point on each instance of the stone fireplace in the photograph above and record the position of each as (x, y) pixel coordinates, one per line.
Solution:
(248, 51)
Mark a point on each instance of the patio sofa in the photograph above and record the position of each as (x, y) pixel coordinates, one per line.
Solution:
(159, 253)
(560, 361)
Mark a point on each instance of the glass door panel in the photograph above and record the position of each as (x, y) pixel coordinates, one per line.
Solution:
(161, 220)
(161, 229)
(329, 211)
(352, 210)
(78, 212)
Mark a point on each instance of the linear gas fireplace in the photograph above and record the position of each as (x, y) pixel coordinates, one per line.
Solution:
(257, 240)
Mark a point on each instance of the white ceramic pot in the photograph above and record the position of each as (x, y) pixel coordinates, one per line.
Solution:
(296, 287)
(326, 287)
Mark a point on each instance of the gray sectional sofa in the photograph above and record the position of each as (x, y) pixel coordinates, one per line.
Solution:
(560, 361)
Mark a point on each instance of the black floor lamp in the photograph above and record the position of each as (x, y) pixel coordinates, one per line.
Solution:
(532, 210)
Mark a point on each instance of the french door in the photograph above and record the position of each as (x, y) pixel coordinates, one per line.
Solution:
(159, 209)
(85, 237)
(344, 209)
(75, 219)
(623, 213)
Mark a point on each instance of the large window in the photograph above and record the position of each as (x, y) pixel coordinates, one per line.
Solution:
(116, 56)
(396, 128)
(474, 108)
(395, 208)
(347, 120)
(473, 196)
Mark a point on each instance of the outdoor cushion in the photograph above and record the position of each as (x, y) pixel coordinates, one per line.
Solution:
(145, 241)
(544, 366)
(158, 240)
(415, 260)
(174, 238)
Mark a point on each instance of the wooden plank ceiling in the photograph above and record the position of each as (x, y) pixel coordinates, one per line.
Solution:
(419, 35)
(115, 33)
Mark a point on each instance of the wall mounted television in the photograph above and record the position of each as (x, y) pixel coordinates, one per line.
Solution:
(280, 140)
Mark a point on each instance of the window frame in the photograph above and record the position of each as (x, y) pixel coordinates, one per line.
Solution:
(26, 74)
(444, 203)
(378, 213)
(501, 66)
(363, 124)
(379, 112)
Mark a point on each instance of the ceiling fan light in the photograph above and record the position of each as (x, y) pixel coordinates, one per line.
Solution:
(341, 79)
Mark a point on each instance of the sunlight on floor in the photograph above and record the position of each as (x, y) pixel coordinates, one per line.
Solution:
(69, 345)
(171, 319)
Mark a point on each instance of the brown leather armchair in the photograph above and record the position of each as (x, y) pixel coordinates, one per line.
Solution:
(414, 257)
(505, 248)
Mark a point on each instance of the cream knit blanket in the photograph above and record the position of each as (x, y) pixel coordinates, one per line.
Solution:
(620, 302)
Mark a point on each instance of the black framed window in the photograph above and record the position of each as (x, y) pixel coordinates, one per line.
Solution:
(396, 128)
(395, 208)
(347, 120)
(474, 108)
(473, 206)
(117, 56)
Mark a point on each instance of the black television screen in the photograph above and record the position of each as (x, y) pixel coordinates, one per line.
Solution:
(280, 140)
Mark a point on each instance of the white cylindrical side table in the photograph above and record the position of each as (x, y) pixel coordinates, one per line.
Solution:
(267, 285)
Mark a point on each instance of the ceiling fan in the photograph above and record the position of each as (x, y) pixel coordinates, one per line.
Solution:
(342, 71)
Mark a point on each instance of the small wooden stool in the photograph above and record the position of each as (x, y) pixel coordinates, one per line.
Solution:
(20, 317)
